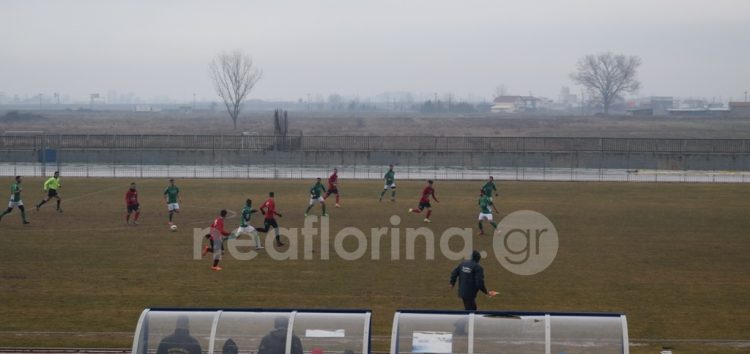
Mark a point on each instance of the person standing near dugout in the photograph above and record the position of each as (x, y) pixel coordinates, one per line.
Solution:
(470, 276)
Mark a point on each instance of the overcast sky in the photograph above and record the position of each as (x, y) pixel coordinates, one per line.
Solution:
(690, 48)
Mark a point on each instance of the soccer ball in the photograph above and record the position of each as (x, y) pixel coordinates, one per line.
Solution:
(173, 227)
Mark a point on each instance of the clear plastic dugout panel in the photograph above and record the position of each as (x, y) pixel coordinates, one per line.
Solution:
(250, 331)
(484, 332)
(579, 334)
(431, 333)
(514, 333)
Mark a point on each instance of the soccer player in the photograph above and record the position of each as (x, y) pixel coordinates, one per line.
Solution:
(51, 186)
(390, 182)
(485, 213)
(424, 202)
(315, 196)
(245, 227)
(269, 210)
(488, 188)
(172, 197)
(131, 202)
(15, 200)
(217, 239)
(333, 181)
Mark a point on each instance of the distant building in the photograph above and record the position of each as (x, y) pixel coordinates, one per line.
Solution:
(739, 109)
(693, 103)
(641, 111)
(568, 99)
(514, 104)
(659, 105)
(143, 108)
(699, 112)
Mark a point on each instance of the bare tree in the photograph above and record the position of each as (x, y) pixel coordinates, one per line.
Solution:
(608, 75)
(234, 76)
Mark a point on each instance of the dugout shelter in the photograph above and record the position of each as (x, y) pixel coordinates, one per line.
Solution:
(246, 331)
(439, 331)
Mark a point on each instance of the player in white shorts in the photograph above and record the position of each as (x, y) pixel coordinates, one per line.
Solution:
(390, 183)
(172, 197)
(245, 227)
(316, 195)
(485, 213)
(15, 201)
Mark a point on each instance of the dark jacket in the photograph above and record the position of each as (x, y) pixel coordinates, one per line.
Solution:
(230, 347)
(179, 342)
(470, 277)
(275, 343)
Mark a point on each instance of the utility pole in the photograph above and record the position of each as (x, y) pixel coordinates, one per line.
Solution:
(583, 111)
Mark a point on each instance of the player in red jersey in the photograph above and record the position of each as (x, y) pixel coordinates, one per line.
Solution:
(333, 186)
(217, 235)
(131, 202)
(269, 210)
(424, 202)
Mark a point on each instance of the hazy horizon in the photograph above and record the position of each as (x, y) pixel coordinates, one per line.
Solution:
(152, 48)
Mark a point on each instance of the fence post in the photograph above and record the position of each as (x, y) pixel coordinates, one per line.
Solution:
(113, 153)
(523, 167)
(44, 155)
(86, 145)
(435, 156)
(744, 160)
(59, 155)
(627, 164)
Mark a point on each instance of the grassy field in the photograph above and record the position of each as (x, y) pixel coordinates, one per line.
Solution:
(380, 123)
(673, 257)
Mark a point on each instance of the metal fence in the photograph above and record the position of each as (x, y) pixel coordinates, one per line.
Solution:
(416, 157)
(374, 143)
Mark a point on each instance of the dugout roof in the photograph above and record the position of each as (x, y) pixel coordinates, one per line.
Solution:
(318, 331)
(424, 331)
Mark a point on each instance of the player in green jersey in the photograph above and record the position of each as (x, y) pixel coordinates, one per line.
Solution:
(316, 195)
(15, 200)
(245, 227)
(172, 197)
(51, 186)
(489, 188)
(485, 213)
(390, 183)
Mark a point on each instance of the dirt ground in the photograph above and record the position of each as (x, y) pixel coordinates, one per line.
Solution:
(375, 123)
